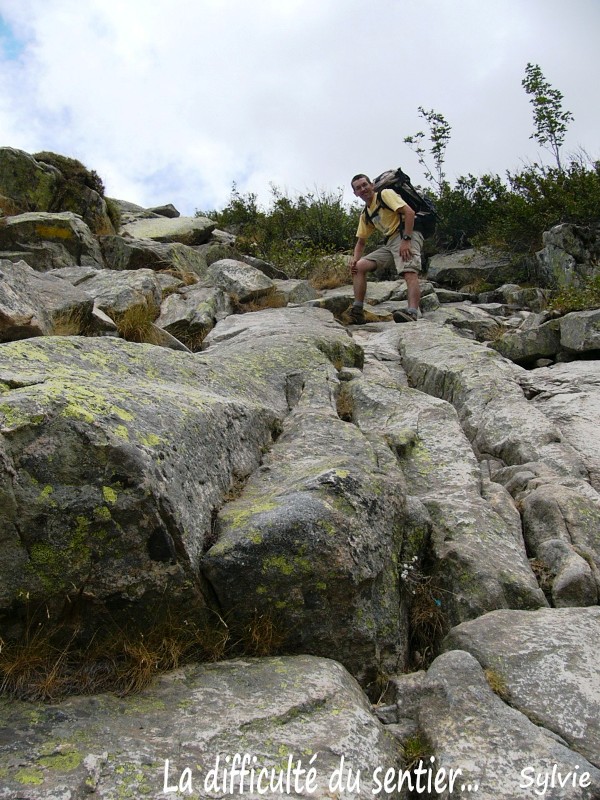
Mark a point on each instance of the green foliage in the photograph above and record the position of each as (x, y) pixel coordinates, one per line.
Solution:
(72, 170)
(468, 209)
(540, 198)
(572, 298)
(512, 215)
(549, 119)
(439, 136)
(293, 233)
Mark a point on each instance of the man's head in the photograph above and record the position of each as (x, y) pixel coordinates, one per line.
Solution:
(362, 187)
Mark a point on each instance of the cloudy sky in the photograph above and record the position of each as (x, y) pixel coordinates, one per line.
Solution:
(173, 100)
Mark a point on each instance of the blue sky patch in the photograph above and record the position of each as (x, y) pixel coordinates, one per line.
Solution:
(11, 46)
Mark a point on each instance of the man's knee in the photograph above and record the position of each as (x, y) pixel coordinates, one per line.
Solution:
(366, 265)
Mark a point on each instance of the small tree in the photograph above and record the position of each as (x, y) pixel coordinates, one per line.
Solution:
(439, 136)
(549, 119)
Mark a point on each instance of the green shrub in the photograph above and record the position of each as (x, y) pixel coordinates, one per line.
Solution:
(293, 232)
(540, 198)
(72, 170)
(512, 215)
(577, 299)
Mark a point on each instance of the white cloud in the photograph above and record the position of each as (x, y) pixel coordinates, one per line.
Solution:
(171, 102)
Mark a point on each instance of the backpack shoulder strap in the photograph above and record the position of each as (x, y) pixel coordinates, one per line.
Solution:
(380, 203)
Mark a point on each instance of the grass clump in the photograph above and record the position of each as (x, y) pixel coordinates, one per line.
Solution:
(573, 298)
(72, 170)
(136, 323)
(55, 658)
(497, 684)
(415, 749)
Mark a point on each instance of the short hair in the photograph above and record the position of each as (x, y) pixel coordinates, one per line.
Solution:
(357, 177)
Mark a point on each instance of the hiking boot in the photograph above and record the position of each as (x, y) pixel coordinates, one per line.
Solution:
(404, 316)
(357, 316)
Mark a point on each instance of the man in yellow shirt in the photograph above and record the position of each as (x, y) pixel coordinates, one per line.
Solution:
(389, 214)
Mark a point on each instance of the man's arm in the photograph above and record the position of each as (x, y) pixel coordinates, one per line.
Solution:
(409, 222)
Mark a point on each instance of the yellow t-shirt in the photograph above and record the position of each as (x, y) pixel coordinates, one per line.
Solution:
(386, 220)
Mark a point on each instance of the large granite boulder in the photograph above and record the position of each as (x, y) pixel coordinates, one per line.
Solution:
(289, 716)
(186, 230)
(34, 304)
(467, 267)
(478, 555)
(569, 256)
(49, 241)
(30, 185)
(538, 657)
(124, 253)
(501, 753)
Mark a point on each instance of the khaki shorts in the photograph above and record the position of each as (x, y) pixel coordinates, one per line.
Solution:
(390, 253)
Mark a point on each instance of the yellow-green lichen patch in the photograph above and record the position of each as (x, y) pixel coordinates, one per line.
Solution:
(65, 761)
(286, 566)
(151, 440)
(47, 560)
(102, 513)
(109, 494)
(122, 432)
(29, 776)
(14, 416)
(53, 232)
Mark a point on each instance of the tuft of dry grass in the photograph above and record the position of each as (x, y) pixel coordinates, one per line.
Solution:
(135, 324)
(261, 636)
(54, 659)
(272, 299)
(345, 404)
(73, 322)
(330, 273)
(497, 684)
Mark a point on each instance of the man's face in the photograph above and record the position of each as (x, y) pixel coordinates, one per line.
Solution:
(363, 189)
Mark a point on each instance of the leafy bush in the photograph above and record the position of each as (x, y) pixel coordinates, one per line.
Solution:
(293, 233)
(72, 170)
(468, 209)
(512, 215)
(577, 299)
(540, 198)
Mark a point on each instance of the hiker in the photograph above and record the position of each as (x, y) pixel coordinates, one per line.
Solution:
(395, 219)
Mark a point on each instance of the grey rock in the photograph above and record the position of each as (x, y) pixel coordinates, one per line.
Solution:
(239, 280)
(296, 291)
(479, 562)
(580, 330)
(484, 389)
(569, 395)
(276, 710)
(167, 210)
(118, 292)
(35, 304)
(51, 241)
(270, 270)
(186, 230)
(524, 346)
(466, 266)
(541, 656)
(125, 253)
(192, 312)
(569, 255)
(496, 747)
(311, 539)
(30, 185)
(466, 319)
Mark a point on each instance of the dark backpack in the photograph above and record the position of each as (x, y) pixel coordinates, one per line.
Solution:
(426, 215)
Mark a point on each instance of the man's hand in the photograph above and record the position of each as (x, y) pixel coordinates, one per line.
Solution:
(352, 264)
(405, 251)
